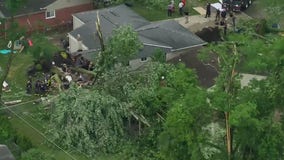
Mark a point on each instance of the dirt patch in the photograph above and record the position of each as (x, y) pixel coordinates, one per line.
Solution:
(209, 34)
(206, 72)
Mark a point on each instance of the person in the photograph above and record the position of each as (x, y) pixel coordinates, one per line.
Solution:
(217, 18)
(170, 9)
(29, 87)
(225, 28)
(234, 22)
(180, 6)
(208, 10)
(186, 16)
(37, 87)
(223, 14)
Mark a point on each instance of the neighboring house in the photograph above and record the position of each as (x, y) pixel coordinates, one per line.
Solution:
(5, 153)
(168, 35)
(43, 14)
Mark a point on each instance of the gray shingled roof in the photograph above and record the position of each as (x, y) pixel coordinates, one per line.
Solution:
(170, 33)
(30, 7)
(5, 153)
(117, 16)
(167, 35)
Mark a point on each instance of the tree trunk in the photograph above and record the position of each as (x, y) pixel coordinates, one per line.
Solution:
(228, 135)
(6, 71)
(8, 65)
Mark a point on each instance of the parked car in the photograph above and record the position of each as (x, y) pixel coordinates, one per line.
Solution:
(236, 5)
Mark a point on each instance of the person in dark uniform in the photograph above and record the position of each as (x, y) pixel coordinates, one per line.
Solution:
(225, 28)
(37, 87)
(217, 18)
(29, 87)
(208, 10)
(223, 14)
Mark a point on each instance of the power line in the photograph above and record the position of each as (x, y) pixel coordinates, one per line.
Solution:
(22, 103)
(39, 132)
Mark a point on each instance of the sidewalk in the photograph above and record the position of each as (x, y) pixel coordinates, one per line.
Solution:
(196, 22)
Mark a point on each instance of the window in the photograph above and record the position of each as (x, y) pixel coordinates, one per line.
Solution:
(49, 14)
(144, 59)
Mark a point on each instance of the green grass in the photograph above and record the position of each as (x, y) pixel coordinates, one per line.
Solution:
(17, 76)
(152, 14)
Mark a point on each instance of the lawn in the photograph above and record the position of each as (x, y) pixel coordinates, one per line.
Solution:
(152, 14)
(17, 76)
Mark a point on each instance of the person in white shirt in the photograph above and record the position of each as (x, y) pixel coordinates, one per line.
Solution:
(180, 6)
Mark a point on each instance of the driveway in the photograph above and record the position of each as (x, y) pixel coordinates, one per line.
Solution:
(198, 22)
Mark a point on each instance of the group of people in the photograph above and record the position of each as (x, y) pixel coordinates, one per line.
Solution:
(221, 17)
(40, 86)
(171, 7)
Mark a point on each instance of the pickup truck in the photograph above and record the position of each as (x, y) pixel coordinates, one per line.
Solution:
(235, 5)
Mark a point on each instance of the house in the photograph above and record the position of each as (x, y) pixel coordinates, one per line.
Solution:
(168, 35)
(44, 14)
(5, 153)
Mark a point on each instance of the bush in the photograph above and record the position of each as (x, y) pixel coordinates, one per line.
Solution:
(9, 137)
(35, 154)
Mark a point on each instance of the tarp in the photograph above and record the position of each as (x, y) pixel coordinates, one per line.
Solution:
(218, 6)
(5, 51)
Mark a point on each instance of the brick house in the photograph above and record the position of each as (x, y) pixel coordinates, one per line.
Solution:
(45, 14)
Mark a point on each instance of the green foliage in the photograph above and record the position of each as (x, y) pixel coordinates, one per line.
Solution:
(121, 47)
(14, 5)
(159, 56)
(6, 131)
(35, 154)
(9, 137)
(123, 104)
(40, 50)
(88, 120)
(274, 8)
(182, 136)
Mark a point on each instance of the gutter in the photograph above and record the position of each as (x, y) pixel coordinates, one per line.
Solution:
(154, 45)
(26, 14)
(198, 45)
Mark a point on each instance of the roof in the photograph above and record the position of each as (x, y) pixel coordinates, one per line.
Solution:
(117, 16)
(31, 6)
(167, 35)
(5, 153)
(171, 34)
